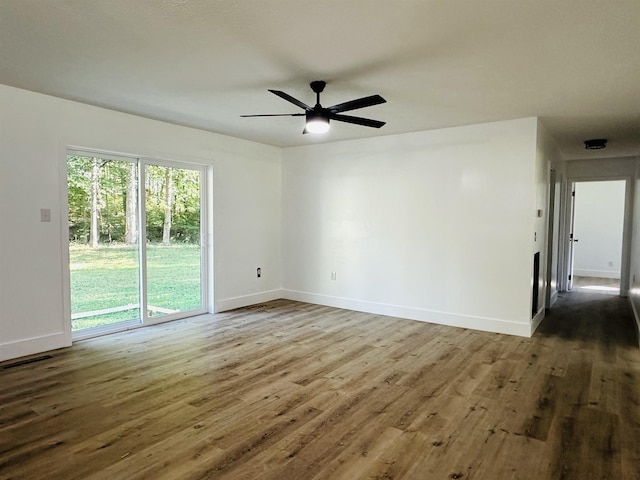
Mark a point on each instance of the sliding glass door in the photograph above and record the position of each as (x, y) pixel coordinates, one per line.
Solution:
(173, 251)
(131, 265)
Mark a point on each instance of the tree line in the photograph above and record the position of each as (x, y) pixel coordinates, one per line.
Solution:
(103, 202)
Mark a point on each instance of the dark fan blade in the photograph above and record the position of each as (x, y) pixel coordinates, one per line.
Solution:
(359, 103)
(289, 98)
(276, 115)
(367, 122)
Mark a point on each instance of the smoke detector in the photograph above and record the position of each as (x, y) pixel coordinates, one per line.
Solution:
(595, 144)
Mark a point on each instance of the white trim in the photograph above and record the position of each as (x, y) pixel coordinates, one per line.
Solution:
(135, 324)
(64, 242)
(105, 154)
(179, 315)
(247, 300)
(625, 264)
(493, 325)
(552, 210)
(34, 345)
(142, 240)
(627, 233)
(554, 298)
(209, 238)
(564, 226)
(537, 319)
(133, 157)
(106, 329)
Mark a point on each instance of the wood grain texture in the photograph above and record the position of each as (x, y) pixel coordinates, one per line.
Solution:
(287, 390)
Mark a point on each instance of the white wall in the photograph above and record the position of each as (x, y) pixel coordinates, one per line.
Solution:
(598, 221)
(600, 169)
(35, 132)
(436, 226)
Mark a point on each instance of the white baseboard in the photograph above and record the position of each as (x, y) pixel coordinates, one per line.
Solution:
(31, 346)
(554, 298)
(537, 319)
(579, 272)
(423, 315)
(246, 300)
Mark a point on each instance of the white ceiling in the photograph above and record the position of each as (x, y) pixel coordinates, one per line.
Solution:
(202, 63)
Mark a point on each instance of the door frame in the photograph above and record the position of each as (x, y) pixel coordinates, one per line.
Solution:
(204, 288)
(206, 238)
(571, 241)
(551, 236)
(565, 228)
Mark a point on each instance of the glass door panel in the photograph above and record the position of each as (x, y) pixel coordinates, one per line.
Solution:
(129, 264)
(103, 242)
(173, 250)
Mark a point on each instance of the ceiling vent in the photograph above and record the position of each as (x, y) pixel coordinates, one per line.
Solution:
(595, 144)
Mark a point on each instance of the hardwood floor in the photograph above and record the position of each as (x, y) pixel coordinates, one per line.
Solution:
(606, 286)
(288, 390)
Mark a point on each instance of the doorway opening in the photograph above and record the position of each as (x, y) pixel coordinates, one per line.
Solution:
(596, 236)
(136, 254)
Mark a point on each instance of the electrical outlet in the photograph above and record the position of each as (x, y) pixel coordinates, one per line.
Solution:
(259, 272)
(333, 275)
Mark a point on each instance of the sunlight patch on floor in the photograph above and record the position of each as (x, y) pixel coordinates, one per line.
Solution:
(600, 288)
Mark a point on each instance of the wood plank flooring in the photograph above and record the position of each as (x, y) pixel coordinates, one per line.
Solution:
(606, 286)
(288, 390)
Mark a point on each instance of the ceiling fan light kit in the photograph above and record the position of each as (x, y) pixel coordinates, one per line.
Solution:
(317, 117)
(316, 123)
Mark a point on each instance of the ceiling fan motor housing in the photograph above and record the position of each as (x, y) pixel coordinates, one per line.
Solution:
(318, 113)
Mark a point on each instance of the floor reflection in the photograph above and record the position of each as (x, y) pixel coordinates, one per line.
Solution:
(609, 286)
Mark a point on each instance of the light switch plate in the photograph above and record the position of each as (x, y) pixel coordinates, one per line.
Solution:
(45, 215)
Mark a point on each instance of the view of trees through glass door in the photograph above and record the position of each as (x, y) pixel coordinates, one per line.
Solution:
(130, 265)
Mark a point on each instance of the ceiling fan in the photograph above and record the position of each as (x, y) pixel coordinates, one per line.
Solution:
(317, 117)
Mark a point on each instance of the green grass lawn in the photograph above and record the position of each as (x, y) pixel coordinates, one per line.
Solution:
(107, 277)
